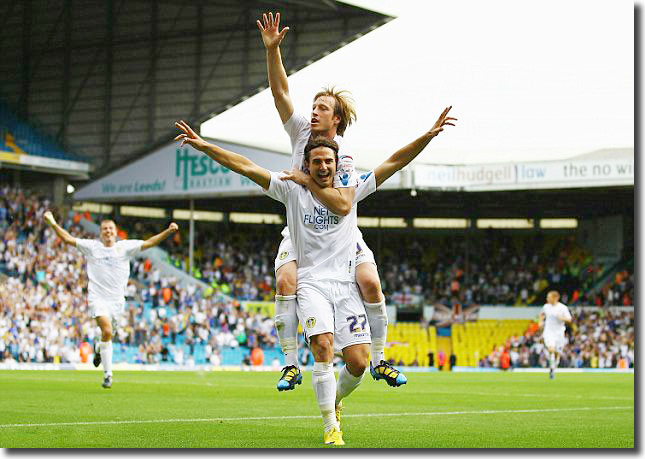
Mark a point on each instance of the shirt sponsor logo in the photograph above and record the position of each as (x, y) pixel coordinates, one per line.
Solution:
(321, 218)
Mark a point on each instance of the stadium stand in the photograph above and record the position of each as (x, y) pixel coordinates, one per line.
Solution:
(44, 315)
(20, 137)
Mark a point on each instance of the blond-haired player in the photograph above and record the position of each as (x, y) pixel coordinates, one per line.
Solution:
(329, 305)
(332, 112)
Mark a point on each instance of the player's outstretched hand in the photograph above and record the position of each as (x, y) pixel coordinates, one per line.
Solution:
(295, 175)
(173, 227)
(271, 34)
(49, 218)
(190, 137)
(444, 120)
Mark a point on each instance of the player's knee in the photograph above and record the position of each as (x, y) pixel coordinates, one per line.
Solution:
(357, 366)
(357, 359)
(322, 347)
(370, 287)
(106, 335)
(286, 282)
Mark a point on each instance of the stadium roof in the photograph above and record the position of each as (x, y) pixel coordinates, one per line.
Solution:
(108, 78)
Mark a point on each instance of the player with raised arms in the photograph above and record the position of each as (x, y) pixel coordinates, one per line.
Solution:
(329, 305)
(108, 270)
(553, 317)
(332, 112)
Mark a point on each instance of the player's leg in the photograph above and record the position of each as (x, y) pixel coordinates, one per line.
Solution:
(352, 338)
(356, 359)
(549, 344)
(105, 348)
(286, 318)
(369, 284)
(323, 378)
(317, 317)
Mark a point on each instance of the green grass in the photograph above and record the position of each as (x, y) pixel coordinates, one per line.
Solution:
(212, 410)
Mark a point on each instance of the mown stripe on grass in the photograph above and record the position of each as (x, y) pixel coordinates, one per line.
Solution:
(280, 418)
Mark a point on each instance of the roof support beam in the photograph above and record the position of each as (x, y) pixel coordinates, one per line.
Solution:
(107, 85)
(23, 105)
(152, 81)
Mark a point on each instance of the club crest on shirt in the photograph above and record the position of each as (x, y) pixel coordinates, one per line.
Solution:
(310, 322)
(284, 255)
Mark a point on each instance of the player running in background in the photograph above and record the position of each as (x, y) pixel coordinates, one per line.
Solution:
(332, 113)
(553, 317)
(329, 305)
(108, 270)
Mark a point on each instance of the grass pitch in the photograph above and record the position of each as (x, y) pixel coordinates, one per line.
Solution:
(225, 409)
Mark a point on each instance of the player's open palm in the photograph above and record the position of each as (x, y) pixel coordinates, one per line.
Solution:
(443, 120)
(190, 137)
(270, 30)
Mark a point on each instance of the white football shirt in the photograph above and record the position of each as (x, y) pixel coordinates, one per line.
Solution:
(325, 243)
(299, 129)
(552, 325)
(108, 268)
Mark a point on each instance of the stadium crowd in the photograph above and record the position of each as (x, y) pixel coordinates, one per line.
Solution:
(44, 317)
(495, 268)
(598, 338)
(512, 270)
(44, 314)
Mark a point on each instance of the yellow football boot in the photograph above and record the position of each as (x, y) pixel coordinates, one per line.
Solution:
(333, 437)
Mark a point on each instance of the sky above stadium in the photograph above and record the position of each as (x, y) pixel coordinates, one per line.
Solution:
(528, 81)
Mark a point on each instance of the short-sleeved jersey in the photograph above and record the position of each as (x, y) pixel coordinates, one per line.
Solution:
(553, 325)
(325, 243)
(108, 268)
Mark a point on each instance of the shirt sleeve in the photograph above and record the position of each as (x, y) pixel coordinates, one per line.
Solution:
(132, 246)
(366, 186)
(566, 311)
(299, 130)
(85, 246)
(279, 189)
(345, 175)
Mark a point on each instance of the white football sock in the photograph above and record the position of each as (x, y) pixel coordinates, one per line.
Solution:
(324, 383)
(346, 384)
(286, 323)
(377, 318)
(106, 357)
(552, 360)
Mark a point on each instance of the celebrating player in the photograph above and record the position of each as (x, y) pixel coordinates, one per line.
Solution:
(553, 317)
(329, 305)
(332, 113)
(108, 269)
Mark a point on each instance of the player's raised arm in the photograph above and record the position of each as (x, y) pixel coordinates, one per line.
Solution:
(159, 238)
(272, 37)
(405, 155)
(338, 200)
(60, 231)
(233, 161)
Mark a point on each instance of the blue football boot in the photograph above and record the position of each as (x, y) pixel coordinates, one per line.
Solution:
(392, 376)
(291, 376)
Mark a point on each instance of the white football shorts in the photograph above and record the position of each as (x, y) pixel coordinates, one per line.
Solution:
(552, 341)
(333, 307)
(113, 309)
